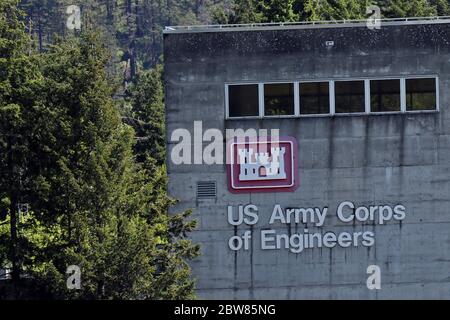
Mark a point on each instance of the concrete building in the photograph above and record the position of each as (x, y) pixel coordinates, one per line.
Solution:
(370, 112)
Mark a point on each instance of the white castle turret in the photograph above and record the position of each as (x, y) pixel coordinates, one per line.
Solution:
(263, 166)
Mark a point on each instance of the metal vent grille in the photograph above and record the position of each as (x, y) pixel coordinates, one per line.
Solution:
(206, 190)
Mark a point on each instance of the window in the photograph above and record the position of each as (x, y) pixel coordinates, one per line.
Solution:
(314, 98)
(349, 96)
(385, 95)
(279, 99)
(243, 100)
(340, 97)
(420, 94)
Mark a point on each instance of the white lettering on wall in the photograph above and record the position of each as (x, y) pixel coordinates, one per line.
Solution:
(346, 212)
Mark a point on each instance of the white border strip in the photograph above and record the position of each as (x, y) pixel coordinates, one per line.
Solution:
(304, 25)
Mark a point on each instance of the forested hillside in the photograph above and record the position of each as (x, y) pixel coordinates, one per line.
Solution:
(133, 28)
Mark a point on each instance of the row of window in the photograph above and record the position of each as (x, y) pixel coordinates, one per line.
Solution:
(331, 97)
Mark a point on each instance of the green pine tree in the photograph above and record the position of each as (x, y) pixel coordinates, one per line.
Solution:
(246, 11)
(409, 8)
(146, 100)
(66, 152)
(325, 10)
(442, 7)
(119, 228)
(278, 11)
(21, 109)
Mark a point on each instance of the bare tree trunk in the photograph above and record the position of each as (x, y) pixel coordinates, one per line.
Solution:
(198, 4)
(30, 32)
(13, 214)
(153, 22)
(40, 36)
(109, 11)
(131, 36)
(30, 23)
(169, 12)
(13, 230)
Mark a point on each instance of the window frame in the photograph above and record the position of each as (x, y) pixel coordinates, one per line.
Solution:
(402, 96)
(436, 84)
(331, 100)
(332, 111)
(364, 80)
(263, 101)
(227, 100)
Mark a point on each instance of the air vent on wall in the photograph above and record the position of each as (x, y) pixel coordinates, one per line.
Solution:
(206, 190)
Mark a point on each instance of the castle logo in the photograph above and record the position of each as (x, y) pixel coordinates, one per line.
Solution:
(262, 165)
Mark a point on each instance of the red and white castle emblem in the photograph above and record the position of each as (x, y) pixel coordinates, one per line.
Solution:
(262, 165)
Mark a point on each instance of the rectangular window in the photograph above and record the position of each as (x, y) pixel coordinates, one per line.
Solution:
(349, 96)
(243, 100)
(279, 99)
(420, 94)
(314, 98)
(385, 95)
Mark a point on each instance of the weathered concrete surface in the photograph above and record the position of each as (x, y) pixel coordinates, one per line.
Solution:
(374, 159)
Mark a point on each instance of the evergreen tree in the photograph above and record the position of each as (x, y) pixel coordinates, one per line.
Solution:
(119, 228)
(324, 10)
(67, 154)
(317, 10)
(133, 27)
(442, 7)
(278, 11)
(246, 11)
(408, 8)
(146, 100)
(20, 111)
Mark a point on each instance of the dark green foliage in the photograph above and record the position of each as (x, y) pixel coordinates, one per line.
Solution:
(442, 7)
(65, 151)
(335, 10)
(246, 11)
(408, 8)
(254, 11)
(279, 11)
(146, 101)
(133, 28)
(20, 108)
(251, 11)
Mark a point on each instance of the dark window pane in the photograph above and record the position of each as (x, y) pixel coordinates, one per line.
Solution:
(279, 99)
(420, 94)
(349, 96)
(385, 95)
(314, 98)
(243, 100)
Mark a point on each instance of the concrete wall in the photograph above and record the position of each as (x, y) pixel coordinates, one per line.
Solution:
(369, 159)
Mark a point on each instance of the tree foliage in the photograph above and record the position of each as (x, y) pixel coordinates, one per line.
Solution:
(254, 11)
(66, 153)
(145, 112)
